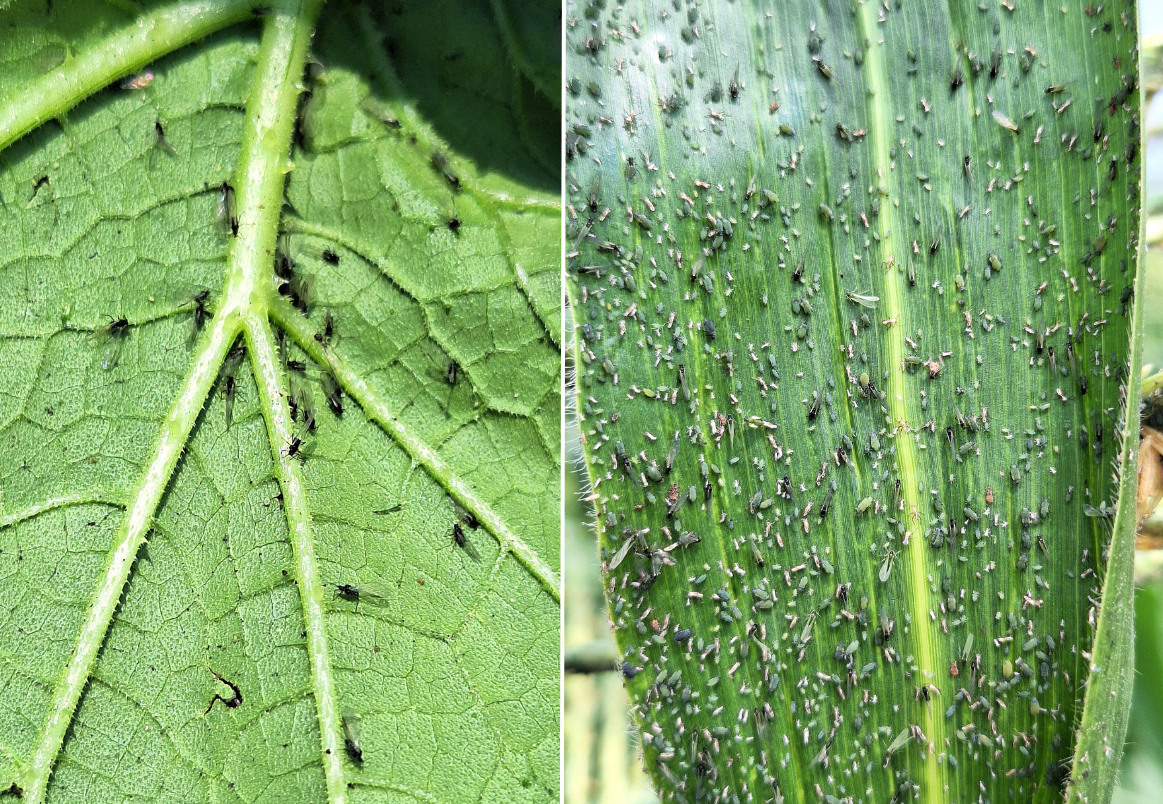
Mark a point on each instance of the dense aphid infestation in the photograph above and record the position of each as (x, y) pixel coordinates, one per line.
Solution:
(852, 337)
(279, 500)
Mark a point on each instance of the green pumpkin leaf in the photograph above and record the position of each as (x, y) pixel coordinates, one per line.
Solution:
(279, 343)
(854, 295)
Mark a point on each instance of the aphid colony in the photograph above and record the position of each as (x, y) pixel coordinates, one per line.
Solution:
(830, 538)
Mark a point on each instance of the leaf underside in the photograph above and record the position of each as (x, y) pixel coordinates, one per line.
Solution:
(446, 658)
(853, 286)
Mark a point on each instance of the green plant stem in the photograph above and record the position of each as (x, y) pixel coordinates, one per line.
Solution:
(595, 656)
(357, 388)
(149, 38)
(259, 192)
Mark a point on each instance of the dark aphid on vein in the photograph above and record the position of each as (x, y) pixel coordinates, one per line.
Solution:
(330, 257)
(308, 408)
(200, 313)
(230, 382)
(452, 221)
(380, 112)
(296, 448)
(440, 162)
(302, 292)
(227, 212)
(284, 263)
(466, 517)
(297, 366)
(348, 591)
(452, 373)
(229, 392)
(311, 71)
(461, 541)
(301, 402)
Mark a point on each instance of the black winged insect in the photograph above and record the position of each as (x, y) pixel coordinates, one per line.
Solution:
(110, 338)
(333, 393)
(201, 313)
(230, 381)
(297, 448)
(461, 540)
(162, 142)
(467, 518)
(440, 162)
(302, 402)
(351, 735)
(227, 211)
(361, 595)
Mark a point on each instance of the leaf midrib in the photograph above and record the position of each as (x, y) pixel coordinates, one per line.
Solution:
(905, 450)
(259, 192)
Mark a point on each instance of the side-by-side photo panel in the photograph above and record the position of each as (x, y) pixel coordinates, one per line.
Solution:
(863, 427)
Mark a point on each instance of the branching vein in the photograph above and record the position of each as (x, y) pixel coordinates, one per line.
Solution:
(366, 397)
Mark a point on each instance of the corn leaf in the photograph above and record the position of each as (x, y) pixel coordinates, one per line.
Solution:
(854, 299)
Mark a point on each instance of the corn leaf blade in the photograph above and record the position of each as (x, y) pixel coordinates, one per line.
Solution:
(853, 295)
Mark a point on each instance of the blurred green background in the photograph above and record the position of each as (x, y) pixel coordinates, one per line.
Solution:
(602, 761)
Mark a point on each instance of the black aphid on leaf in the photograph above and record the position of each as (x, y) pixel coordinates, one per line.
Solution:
(461, 541)
(333, 393)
